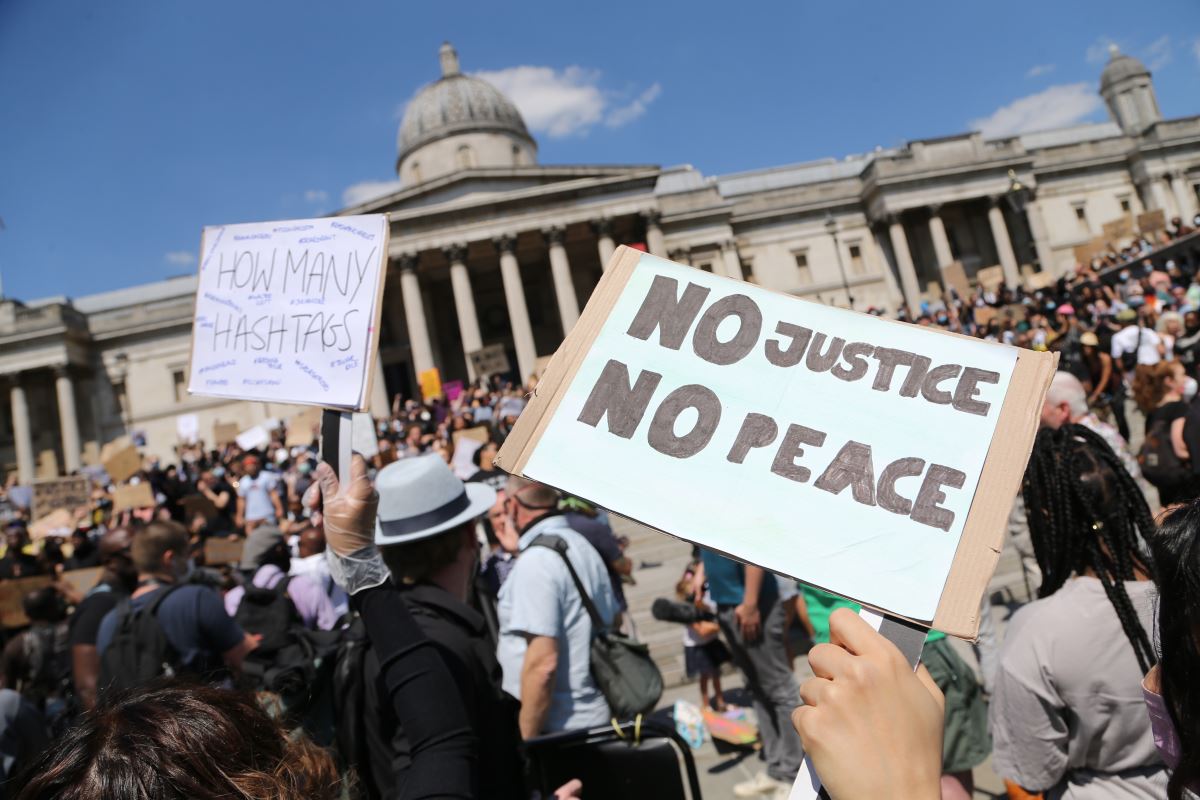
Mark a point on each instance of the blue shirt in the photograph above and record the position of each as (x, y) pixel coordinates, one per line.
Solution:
(540, 599)
(193, 619)
(257, 494)
(727, 581)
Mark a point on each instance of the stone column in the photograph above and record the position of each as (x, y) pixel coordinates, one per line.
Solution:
(880, 257)
(518, 312)
(564, 285)
(1183, 197)
(464, 302)
(655, 243)
(414, 315)
(1041, 236)
(1160, 192)
(904, 263)
(22, 431)
(64, 387)
(941, 243)
(604, 241)
(1004, 248)
(733, 264)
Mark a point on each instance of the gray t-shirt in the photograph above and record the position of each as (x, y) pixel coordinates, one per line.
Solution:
(1067, 714)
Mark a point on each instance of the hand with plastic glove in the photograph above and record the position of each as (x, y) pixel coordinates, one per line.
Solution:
(347, 513)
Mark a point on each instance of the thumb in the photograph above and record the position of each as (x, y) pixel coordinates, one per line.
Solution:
(931, 686)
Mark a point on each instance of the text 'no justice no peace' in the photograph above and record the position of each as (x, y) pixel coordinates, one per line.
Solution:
(622, 399)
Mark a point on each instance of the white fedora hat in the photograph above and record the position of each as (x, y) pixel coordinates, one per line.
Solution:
(420, 497)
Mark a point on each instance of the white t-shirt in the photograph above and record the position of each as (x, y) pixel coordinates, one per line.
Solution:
(1127, 340)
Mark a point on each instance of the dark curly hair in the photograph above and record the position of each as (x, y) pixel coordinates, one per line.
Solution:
(1176, 550)
(175, 741)
(1086, 513)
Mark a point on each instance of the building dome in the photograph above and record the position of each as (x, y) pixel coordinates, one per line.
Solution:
(457, 122)
(1120, 67)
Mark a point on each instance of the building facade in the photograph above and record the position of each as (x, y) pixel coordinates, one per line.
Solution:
(490, 247)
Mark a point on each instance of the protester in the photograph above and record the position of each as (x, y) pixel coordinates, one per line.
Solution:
(310, 560)
(175, 741)
(197, 636)
(258, 496)
(1170, 687)
(118, 580)
(703, 651)
(432, 554)
(545, 630)
(266, 558)
(751, 620)
(36, 662)
(1086, 637)
(1067, 403)
(1163, 392)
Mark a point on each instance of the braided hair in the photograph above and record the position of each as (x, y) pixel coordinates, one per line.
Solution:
(1086, 513)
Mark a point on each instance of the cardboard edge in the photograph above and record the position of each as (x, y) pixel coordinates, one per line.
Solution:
(561, 370)
(983, 534)
(372, 354)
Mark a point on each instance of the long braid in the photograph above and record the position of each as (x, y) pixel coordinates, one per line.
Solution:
(1086, 512)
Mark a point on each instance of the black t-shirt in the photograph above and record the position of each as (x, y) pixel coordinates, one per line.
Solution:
(600, 535)
(494, 478)
(85, 622)
(19, 565)
(1167, 413)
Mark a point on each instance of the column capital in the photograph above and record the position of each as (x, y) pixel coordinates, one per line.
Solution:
(456, 253)
(555, 235)
(652, 217)
(994, 201)
(727, 244)
(408, 262)
(602, 226)
(506, 243)
(891, 218)
(62, 371)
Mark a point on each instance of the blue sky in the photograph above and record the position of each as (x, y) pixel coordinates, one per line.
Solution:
(127, 126)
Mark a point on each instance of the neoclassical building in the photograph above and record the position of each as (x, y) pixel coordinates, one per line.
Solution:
(490, 247)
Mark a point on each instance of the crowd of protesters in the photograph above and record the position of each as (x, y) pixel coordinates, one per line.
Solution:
(406, 629)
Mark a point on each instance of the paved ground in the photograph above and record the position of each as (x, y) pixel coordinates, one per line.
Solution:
(659, 561)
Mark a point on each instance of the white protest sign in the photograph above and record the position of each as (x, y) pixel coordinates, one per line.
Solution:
(252, 438)
(188, 428)
(288, 312)
(853, 453)
(363, 437)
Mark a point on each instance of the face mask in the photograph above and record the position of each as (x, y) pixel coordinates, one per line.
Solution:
(1189, 388)
(942, 320)
(1124, 276)
(218, 472)
(304, 468)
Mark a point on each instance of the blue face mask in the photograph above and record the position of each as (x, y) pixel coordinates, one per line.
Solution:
(218, 472)
(304, 468)
(1124, 276)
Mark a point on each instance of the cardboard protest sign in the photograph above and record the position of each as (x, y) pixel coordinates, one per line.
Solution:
(1152, 221)
(252, 438)
(303, 427)
(224, 433)
(1119, 228)
(871, 458)
(134, 495)
(956, 278)
(70, 492)
(985, 314)
(431, 383)
(121, 460)
(990, 278)
(288, 312)
(539, 366)
(479, 434)
(13, 591)
(490, 360)
(223, 551)
(187, 426)
(59, 522)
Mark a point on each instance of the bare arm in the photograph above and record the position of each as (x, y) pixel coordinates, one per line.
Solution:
(537, 683)
(747, 613)
(239, 517)
(623, 565)
(1177, 442)
(85, 672)
(235, 655)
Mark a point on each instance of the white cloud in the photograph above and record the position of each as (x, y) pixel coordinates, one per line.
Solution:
(1097, 52)
(180, 258)
(566, 102)
(634, 109)
(1158, 53)
(1054, 107)
(368, 190)
(316, 195)
(1039, 69)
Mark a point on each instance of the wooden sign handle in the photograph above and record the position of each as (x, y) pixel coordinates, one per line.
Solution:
(336, 439)
(910, 639)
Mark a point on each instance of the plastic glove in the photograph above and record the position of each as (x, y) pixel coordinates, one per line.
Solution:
(347, 514)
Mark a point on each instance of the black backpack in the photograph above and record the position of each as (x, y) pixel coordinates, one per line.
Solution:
(1160, 465)
(139, 650)
(1129, 358)
(290, 661)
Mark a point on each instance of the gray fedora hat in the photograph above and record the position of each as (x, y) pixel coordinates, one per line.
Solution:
(420, 497)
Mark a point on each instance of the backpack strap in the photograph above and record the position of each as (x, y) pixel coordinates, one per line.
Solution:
(158, 601)
(556, 543)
